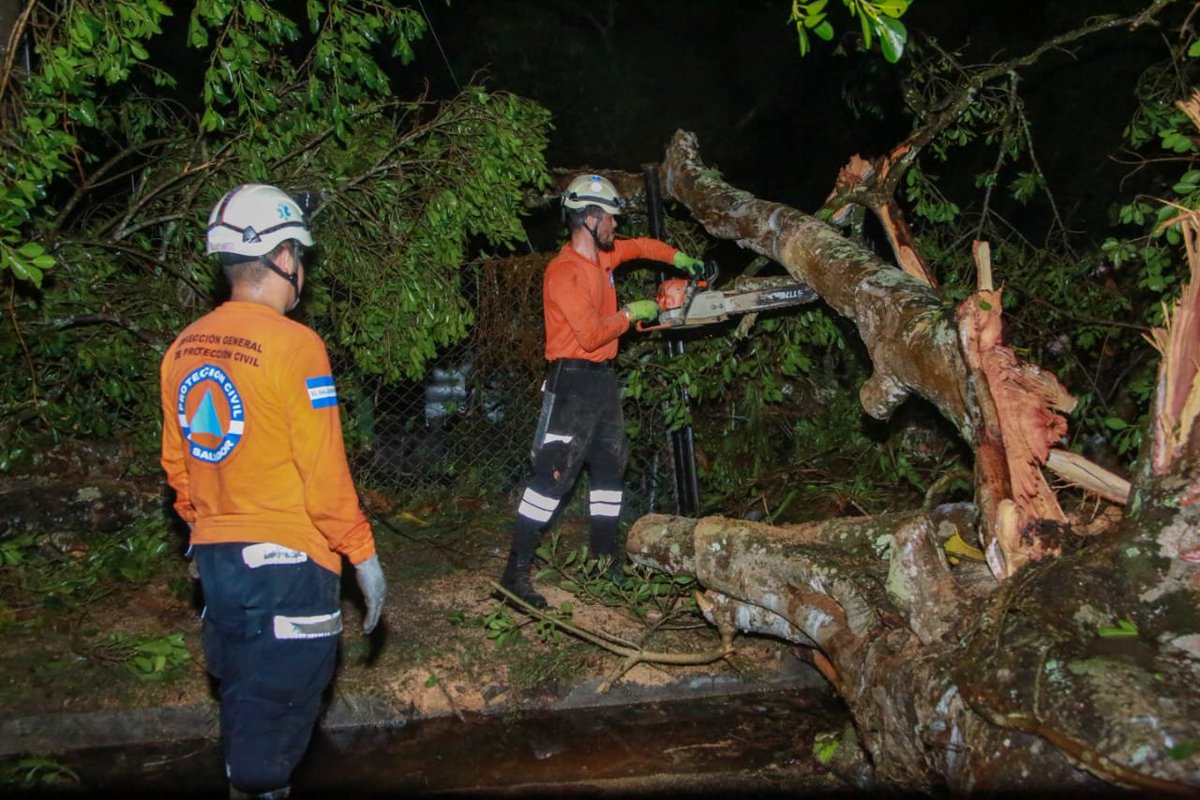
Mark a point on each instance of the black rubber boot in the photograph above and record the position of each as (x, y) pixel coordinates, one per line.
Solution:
(616, 571)
(516, 580)
(604, 545)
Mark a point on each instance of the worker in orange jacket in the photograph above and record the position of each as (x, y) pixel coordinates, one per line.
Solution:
(581, 422)
(252, 446)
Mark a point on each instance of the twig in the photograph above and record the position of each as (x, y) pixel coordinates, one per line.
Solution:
(14, 38)
(632, 655)
(92, 180)
(33, 381)
(142, 254)
(1090, 320)
(77, 320)
(906, 153)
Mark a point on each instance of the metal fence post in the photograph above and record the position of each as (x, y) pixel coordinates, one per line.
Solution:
(683, 443)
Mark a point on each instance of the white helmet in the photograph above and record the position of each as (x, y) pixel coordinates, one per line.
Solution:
(254, 219)
(593, 190)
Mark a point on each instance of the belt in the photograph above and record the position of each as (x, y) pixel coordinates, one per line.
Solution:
(581, 363)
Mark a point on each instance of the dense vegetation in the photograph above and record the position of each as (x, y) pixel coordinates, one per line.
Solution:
(115, 150)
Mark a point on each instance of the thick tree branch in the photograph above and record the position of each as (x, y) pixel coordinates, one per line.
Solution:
(901, 320)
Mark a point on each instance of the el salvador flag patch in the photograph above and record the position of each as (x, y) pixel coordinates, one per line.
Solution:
(321, 391)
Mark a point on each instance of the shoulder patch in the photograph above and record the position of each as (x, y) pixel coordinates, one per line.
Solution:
(321, 391)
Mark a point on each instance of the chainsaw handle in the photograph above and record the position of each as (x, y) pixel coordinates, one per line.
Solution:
(711, 271)
(643, 329)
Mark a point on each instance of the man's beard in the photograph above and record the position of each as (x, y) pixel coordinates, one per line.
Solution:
(606, 247)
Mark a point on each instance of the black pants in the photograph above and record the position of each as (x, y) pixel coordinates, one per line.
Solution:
(581, 424)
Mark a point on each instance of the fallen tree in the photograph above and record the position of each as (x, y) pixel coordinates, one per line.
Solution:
(1042, 669)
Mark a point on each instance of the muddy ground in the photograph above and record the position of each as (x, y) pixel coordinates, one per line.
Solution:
(446, 648)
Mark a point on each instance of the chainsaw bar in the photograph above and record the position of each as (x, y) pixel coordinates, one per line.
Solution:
(708, 307)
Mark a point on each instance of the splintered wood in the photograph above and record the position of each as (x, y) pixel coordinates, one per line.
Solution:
(1177, 401)
(1020, 412)
(861, 173)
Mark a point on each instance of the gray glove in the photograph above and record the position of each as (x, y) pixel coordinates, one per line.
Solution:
(374, 589)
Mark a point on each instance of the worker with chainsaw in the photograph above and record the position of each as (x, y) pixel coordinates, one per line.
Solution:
(581, 422)
(252, 446)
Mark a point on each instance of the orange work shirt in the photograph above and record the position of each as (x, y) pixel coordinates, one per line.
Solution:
(579, 299)
(252, 438)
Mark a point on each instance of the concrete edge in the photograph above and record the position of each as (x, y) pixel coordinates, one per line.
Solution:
(59, 733)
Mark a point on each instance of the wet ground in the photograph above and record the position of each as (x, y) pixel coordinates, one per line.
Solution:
(753, 744)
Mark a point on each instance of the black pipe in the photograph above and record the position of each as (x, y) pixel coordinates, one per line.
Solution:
(683, 441)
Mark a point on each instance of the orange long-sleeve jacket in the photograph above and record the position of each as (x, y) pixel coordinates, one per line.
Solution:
(579, 299)
(252, 439)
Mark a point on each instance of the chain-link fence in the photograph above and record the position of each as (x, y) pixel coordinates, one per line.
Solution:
(468, 426)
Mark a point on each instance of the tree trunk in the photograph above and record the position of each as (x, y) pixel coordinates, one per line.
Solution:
(1077, 667)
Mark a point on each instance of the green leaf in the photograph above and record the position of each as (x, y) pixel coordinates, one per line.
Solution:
(868, 26)
(824, 747)
(26, 271)
(1124, 629)
(1194, 50)
(1185, 749)
(893, 8)
(1188, 183)
(892, 38)
(1177, 142)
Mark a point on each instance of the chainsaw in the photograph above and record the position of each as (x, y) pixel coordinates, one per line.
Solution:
(692, 302)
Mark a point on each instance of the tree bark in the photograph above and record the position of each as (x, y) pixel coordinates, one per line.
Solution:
(905, 325)
(1081, 667)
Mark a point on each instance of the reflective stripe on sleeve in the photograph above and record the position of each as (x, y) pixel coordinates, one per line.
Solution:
(537, 507)
(317, 627)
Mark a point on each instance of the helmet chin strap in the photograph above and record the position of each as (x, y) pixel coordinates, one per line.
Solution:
(293, 279)
(595, 238)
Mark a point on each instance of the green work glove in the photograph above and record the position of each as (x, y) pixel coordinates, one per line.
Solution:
(374, 588)
(642, 309)
(692, 266)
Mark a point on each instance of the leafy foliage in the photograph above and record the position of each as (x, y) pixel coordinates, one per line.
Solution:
(37, 772)
(878, 19)
(152, 658)
(641, 592)
(39, 574)
(113, 176)
(1078, 315)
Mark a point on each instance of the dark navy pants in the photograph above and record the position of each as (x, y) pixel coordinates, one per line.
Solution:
(271, 626)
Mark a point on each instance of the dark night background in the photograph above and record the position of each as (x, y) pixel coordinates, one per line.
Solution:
(620, 77)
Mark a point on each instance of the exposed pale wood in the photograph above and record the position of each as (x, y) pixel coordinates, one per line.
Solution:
(1177, 402)
(1079, 471)
(858, 182)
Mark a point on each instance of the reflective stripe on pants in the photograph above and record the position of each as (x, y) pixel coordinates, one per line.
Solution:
(270, 640)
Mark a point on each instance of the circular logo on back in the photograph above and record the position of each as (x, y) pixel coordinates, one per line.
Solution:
(210, 413)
